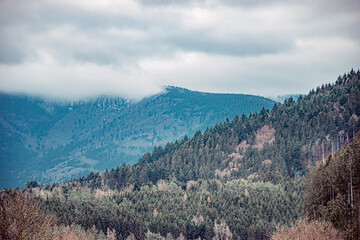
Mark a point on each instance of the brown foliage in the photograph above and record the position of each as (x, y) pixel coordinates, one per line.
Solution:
(226, 173)
(21, 217)
(264, 135)
(242, 146)
(222, 232)
(75, 232)
(305, 230)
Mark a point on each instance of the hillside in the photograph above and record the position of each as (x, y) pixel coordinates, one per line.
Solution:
(52, 141)
(332, 191)
(239, 179)
(291, 138)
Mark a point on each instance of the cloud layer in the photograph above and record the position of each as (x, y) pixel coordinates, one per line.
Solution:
(131, 48)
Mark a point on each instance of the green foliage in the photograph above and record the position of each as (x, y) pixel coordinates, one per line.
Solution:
(202, 209)
(290, 139)
(239, 179)
(102, 133)
(332, 191)
(32, 184)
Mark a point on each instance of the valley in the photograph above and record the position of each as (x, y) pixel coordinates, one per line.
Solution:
(51, 141)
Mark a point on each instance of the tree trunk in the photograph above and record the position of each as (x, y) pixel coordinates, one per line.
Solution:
(323, 155)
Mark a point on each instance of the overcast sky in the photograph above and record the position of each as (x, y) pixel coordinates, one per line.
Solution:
(132, 48)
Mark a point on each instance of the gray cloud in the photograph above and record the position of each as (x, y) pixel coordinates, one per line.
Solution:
(72, 50)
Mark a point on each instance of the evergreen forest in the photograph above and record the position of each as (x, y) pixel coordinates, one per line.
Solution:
(292, 172)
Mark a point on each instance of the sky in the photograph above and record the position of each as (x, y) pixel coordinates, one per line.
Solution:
(79, 49)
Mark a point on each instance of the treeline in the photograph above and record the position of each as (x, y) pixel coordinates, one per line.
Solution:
(331, 202)
(262, 146)
(205, 209)
(23, 216)
(332, 191)
(240, 179)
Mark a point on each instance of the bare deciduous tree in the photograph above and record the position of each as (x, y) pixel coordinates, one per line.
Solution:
(21, 217)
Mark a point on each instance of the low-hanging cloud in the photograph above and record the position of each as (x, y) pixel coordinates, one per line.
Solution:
(131, 48)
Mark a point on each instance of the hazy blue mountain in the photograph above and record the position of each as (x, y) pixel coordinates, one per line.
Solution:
(282, 98)
(52, 141)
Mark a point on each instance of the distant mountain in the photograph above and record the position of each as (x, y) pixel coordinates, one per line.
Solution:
(239, 179)
(282, 98)
(52, 141)
(264, 146)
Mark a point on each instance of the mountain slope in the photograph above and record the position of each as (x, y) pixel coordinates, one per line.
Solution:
(51, 141)
(237, 180)
(291, 138)
(332, 191)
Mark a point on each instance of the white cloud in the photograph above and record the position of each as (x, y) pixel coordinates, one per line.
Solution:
(74, 81)
(77, 49)
(269, 74)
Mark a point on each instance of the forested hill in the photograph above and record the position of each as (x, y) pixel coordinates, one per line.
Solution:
(262, 146)
(239, 179)
(51, 141)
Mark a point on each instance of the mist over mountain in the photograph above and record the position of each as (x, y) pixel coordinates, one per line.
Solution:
(289, 139)
(238, 179)
(52, 141)
(282, 98)
(101, 138)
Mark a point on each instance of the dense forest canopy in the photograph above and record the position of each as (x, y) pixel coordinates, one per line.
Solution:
(290, 139)
(54, 141)
(240, 179)
(332, 191)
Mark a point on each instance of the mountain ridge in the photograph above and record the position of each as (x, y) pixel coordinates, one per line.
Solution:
(65, 139)
(238, 179)
(290, 138)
